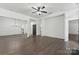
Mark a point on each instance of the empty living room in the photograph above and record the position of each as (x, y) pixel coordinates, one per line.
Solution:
(39, 29)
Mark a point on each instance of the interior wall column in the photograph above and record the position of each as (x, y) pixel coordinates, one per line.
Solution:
(28, 28)
(38, 28)
(66, 29)
(67, 35)
(43, 29)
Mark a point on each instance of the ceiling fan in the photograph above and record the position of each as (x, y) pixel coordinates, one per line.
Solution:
(39, 10)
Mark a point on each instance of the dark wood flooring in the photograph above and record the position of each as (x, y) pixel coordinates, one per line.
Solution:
(73, 41)
(18, 45)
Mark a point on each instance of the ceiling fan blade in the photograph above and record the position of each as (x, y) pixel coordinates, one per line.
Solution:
(34, 12)
(44, 11)
(34, 8)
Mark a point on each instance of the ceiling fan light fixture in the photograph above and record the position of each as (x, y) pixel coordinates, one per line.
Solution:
(38, 13)
(43, 7)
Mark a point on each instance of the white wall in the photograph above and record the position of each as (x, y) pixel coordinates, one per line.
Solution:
(54, 27)
(7, 26)
(13, 15)
(73, 27)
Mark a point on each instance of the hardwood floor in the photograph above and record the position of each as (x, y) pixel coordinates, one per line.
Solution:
(18, 45)
(73, 41)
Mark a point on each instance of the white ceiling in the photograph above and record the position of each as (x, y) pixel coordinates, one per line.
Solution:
(26, 8)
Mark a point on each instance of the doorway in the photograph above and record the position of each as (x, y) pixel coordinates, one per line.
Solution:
(73, 36)
(34, 29)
